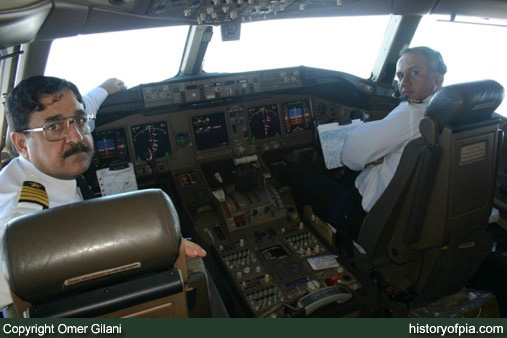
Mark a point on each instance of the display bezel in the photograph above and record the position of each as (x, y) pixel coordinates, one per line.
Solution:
(273, 106)
(294, 129)
(200, 145)
(105, 162)
(138, 158)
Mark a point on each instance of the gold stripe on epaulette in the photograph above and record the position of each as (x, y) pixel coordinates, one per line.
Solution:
(41, 203)
(26, 196)
(34, 192)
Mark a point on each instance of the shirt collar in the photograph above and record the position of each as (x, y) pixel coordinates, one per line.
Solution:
(425, 101)
(64, 185)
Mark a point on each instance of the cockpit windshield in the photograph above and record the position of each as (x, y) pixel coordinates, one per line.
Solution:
(346, 44)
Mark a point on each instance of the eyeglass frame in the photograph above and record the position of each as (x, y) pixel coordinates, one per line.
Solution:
(69, 120)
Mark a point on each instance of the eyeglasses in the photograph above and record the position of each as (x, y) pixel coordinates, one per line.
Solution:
(58, 130)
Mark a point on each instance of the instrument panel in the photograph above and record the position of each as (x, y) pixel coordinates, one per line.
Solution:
(178, 140)
(272, 268)
(224, 87)
(191, 119)
(210, 143)
(269, 262)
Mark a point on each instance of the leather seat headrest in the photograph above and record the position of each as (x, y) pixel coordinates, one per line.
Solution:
(465, 103)
(89, 244)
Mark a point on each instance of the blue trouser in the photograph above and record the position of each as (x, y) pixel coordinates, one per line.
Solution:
(335, 200)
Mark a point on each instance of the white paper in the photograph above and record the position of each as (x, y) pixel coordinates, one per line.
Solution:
(117, 181)
(332, 138)
(323, 262)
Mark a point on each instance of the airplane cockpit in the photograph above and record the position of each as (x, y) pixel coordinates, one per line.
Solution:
(219, 145)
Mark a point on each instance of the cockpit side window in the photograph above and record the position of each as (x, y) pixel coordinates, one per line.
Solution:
(481, 57)
(8, 67)
(136, 56)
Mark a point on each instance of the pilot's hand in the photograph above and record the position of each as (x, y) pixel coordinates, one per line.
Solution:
(193, 250)
(113, 85)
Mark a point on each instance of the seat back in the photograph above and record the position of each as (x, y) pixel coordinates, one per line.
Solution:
(426, 232)
(118, 256)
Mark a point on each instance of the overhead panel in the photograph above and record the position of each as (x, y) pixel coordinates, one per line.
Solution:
(220, 11)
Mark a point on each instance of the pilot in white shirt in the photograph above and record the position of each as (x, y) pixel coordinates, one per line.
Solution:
(20, 170)
(385, 139)
(52, 134)
(24, 189)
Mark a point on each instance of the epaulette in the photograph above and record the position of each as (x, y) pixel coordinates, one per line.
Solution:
(411, 101)
(33, 192)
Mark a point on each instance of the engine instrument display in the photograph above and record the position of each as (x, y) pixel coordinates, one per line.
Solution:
(264, 122)
(297, 116)
(111, 148)
(151, 141)
(210, 131)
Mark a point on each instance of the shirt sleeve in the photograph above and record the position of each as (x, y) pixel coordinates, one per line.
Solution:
(376, 139)
(93, 99)
(5, 295)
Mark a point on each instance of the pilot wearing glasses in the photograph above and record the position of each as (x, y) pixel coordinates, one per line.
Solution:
(52, 134)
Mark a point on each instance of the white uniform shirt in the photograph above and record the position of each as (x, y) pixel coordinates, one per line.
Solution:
(384, 138)
(59, 192)
(93, 99)
(19, 170)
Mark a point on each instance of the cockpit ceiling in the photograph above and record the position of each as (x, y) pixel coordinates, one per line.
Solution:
(27, 20)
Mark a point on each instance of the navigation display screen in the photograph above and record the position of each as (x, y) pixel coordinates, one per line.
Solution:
(111, 148)
(264, 122)
(151, 141)
(210, 131)
(297, 116)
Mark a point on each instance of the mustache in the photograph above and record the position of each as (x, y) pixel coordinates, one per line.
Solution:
(75, 149)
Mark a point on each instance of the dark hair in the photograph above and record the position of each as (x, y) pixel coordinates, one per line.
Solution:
(435, 60)
(25, 98)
